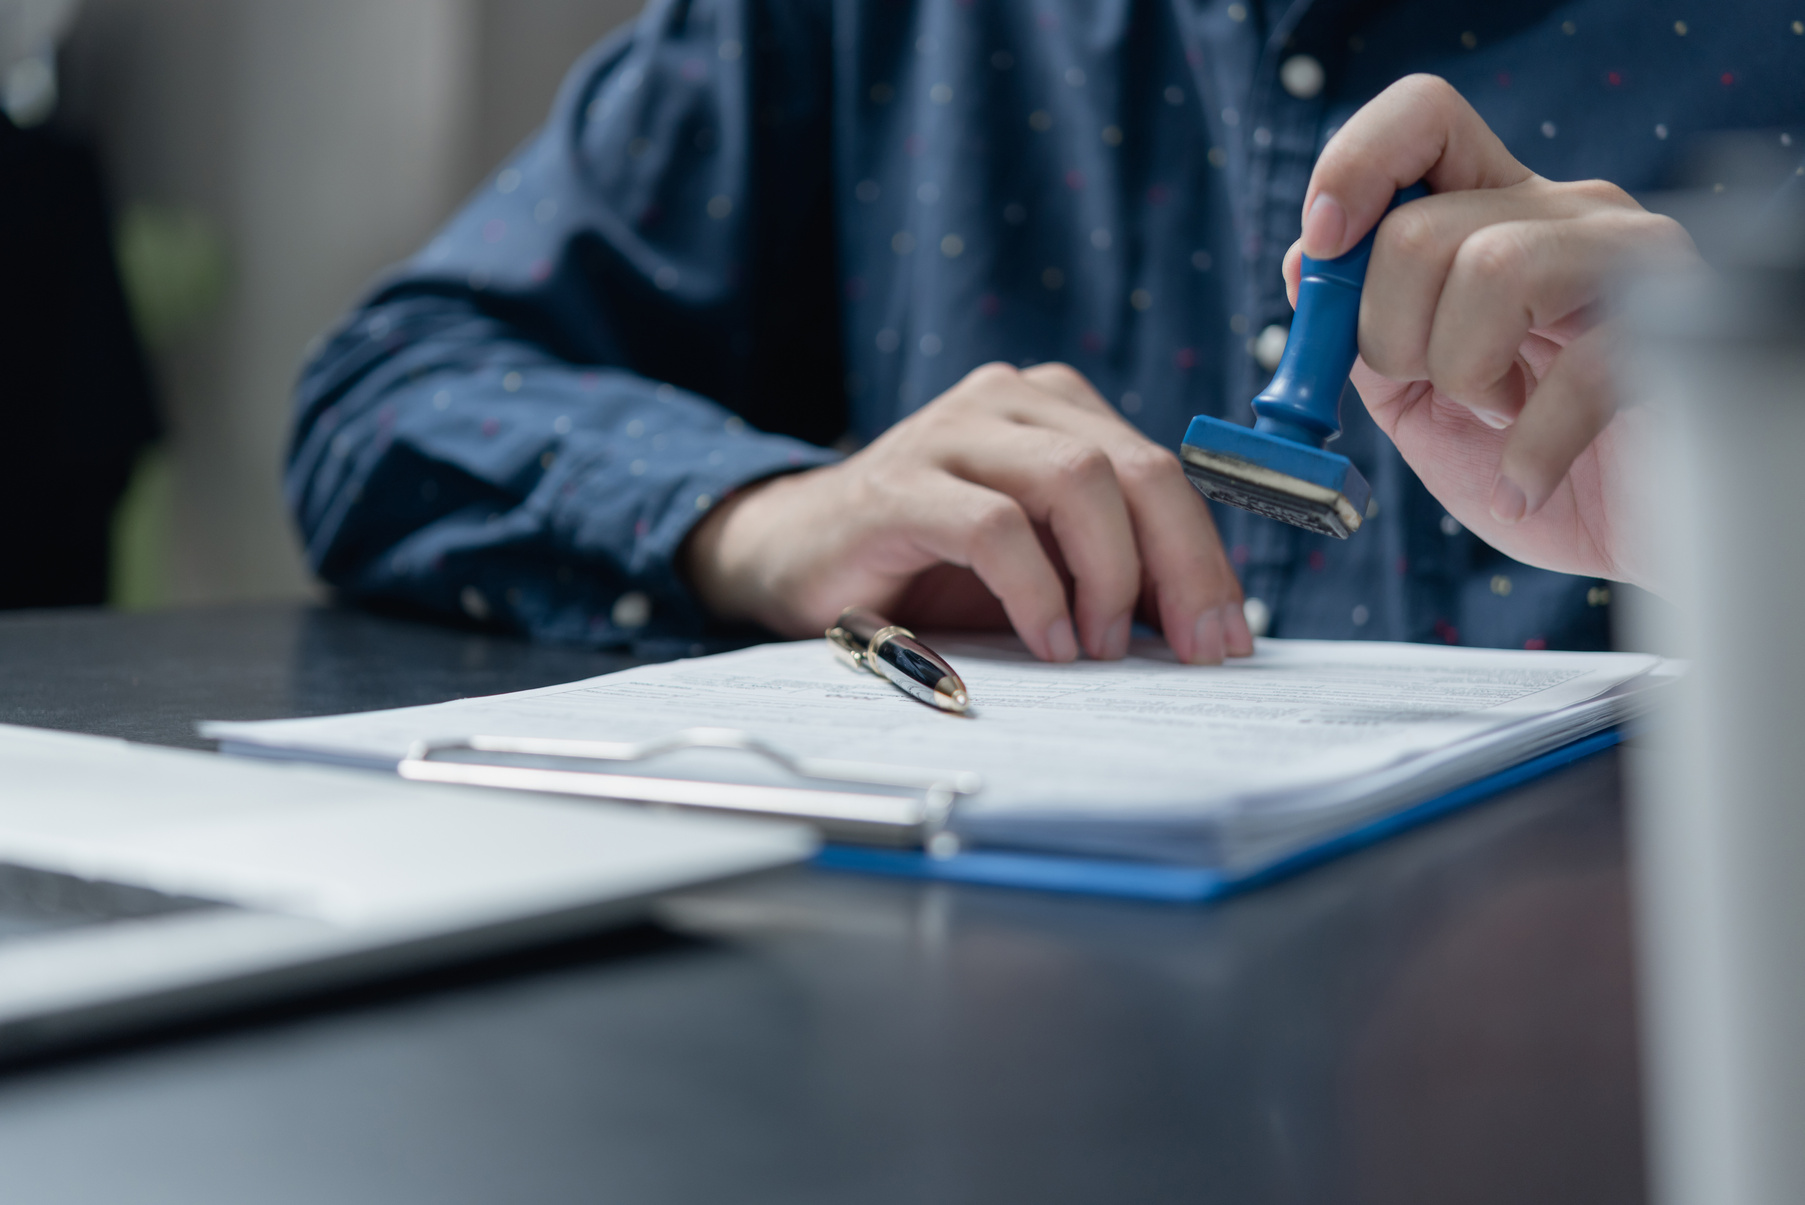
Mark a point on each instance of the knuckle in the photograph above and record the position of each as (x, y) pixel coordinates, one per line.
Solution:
(996, 522)
(1494, 257)
(974, 391)
(986, 377)
(1054, 372)
(1146, 463)
(1066, 383)
(1409, 233)
(1600, 193)
(1079, 464)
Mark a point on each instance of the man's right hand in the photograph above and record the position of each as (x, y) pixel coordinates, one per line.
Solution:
(1016, 497)
(1482, 351)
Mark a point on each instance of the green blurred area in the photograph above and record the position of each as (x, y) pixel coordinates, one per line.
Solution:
(141, 537)
(176, 272)
(175, 269)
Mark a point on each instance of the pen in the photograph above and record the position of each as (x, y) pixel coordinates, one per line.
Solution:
(865, 640)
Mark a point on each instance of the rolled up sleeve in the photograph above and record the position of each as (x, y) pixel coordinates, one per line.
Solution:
(631, 319)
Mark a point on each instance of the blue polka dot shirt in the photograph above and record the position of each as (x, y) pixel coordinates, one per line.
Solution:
(752, 231)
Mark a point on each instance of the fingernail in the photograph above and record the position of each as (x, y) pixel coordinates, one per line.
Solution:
(1324, 227)
(1115, 640)
(1060, 642)
(1206, 641)
(1236, 639)
(1509, 503)
(1496, 422)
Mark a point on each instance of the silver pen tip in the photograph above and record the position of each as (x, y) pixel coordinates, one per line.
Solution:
(950, 695)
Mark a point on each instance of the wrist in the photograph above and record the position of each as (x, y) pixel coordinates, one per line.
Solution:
(717, 561)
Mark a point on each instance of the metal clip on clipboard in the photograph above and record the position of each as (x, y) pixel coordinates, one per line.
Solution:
(866, 817)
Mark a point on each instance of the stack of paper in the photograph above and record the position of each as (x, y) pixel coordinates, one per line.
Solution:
(1230, 767)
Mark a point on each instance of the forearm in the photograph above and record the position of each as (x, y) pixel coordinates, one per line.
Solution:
(442, 462)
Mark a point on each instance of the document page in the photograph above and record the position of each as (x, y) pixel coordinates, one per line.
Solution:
(1143, 737)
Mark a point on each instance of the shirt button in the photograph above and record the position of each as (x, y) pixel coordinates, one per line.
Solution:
(1269, 346)
(1301, 75)
(1258, 615)
(631, 610)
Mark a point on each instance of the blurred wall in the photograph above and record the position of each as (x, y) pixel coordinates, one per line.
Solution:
(523, 49)
(300, 145)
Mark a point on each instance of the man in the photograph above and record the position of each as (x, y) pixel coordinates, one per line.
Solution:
(1007, 250)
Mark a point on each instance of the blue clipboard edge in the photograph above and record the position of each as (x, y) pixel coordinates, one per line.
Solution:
(1188, 884)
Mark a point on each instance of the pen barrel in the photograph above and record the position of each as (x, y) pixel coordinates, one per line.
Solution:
(861, 624)
(866, 640)
(915, 670)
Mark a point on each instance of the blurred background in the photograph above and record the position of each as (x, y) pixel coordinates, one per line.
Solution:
(261, 160)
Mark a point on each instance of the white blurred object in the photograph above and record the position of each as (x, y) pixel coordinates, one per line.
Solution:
(1269, 346)
(1719, 821)
(1302, 76)
(29, 33)
(1258, 615)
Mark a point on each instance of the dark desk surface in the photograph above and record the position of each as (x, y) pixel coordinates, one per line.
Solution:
(1447, 1018)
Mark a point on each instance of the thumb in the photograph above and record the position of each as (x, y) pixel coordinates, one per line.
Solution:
(1420, 128)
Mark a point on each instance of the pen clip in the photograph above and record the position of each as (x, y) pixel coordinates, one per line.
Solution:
(848, 648)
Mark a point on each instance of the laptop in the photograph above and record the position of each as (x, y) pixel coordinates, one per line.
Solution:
(139, 885)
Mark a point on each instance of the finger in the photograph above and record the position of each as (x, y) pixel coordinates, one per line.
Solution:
(1571, 405)
(1514, 277)
(1070, 485)
(1419, 128)
(1418, 244)
(1412, 256)
(1198, 595)
(1094, 532)
(965, 524)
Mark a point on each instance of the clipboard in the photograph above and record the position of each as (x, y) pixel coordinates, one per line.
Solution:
(895, 822)
(1175, 884)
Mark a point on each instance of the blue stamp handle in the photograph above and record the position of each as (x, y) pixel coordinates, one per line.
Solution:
(1303, 401)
